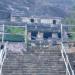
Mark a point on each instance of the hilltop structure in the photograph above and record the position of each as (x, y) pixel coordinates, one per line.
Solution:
(25, 18)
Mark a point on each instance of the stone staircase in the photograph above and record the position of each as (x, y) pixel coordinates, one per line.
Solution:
(34, 62)
(72, 60)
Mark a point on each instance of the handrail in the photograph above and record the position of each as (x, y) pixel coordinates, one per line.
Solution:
(69, 69)
(2, 57)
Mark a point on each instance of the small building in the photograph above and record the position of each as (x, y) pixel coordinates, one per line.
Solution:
(51, 20)
(26, 18)
(18, 16)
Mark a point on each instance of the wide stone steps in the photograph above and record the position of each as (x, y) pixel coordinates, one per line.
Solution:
(45, 62)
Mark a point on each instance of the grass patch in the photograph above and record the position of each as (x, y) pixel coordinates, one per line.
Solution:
(72, 36)
(14, 30)
(17, 34)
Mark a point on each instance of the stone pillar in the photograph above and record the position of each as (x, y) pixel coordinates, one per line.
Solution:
(29, 35)
(49, 41)
(40, 36)
(54, 35)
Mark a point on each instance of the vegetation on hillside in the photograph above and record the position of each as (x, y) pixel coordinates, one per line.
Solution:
(71, 17)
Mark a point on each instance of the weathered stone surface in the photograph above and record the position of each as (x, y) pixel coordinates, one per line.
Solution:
(38, 62)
